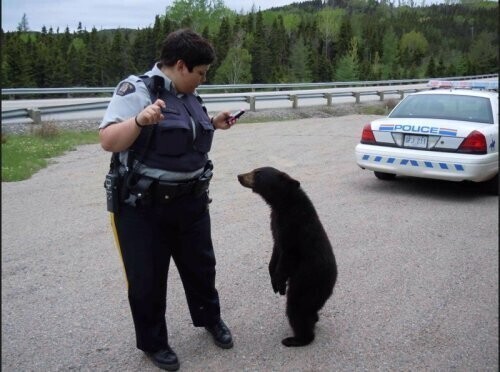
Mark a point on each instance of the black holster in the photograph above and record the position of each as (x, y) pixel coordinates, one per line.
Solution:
(203, 182)
(112, 185)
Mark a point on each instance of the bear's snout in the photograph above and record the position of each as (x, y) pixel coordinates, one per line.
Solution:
(246, 179)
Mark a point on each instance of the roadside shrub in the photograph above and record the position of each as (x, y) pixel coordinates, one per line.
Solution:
(47, 130)
(391, 103)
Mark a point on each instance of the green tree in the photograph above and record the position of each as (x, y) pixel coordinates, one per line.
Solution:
(345, 36)
(431, 68)
(143, 51)
(323, 69)
(224, 39)
(93, 65)
(413, 46)
(482, 56)
(75, 58)
(23, 26)
(300, 70)
(5, 69)
(375, 72)
(389, 58)
(441, 68)
(18, 62)
(279, 48)
(119, 50)
(260, 52)
(348, 66)
(201, 12)
(458, 65)
(236, 67)
(329, 21)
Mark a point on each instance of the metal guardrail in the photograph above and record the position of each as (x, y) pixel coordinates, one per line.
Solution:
(238, 87)
(251, 98)
(36, 113)
(202, 88)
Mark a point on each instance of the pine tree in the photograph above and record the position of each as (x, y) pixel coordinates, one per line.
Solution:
(441, 68)
(389, 58)
(19, 65)
(299, 70)
(431, 68)
(23, 25)
(260, 53)
(348, 66)
(278, 46)
(223, 41)
(345, 36)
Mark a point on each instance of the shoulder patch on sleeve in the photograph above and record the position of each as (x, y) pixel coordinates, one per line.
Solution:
(125, 88)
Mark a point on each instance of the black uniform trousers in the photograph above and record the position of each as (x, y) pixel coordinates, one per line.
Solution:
(148, 236)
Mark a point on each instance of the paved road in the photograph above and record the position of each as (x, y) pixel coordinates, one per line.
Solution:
(418, 266)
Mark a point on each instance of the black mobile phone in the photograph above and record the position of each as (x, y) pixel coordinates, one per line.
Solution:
(237, 114)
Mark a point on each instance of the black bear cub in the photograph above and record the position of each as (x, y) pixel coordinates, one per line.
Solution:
(302, 255)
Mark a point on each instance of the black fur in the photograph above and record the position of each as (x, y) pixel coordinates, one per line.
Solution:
(302, 254)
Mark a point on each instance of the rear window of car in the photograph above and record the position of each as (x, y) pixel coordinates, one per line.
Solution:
(445, 106)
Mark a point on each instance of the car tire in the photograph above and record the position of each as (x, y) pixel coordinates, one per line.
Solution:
(384, 176)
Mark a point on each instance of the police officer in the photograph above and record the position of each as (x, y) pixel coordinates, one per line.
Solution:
(160, 132)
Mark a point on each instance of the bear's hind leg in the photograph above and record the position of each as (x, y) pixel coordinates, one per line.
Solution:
(303, 329)
(296, 342)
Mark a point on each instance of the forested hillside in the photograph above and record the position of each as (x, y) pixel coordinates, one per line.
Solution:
(311, 41)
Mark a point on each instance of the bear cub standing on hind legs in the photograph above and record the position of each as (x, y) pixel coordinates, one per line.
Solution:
(302, 254)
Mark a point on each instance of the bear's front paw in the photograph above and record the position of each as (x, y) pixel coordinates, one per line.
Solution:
(275, 285)
(282, 288)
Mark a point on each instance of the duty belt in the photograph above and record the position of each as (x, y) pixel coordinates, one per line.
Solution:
(148, 189)
(162, 191)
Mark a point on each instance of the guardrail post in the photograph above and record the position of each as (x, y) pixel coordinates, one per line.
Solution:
(35, 115)
(328, 97)
(381, 95)
(295, 101)
(251, 101)
(401, 94)
(357, 95)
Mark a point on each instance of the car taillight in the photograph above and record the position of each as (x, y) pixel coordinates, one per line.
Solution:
(475, 143)
(367, 135)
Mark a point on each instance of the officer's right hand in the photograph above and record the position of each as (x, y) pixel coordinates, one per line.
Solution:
(152, 113)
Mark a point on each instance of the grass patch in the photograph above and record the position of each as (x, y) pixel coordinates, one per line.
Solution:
(375, 110)
(23, 155)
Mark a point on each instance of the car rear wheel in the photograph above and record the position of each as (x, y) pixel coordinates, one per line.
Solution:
(385, 176)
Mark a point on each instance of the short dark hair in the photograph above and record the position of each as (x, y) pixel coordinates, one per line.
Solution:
(189, 46)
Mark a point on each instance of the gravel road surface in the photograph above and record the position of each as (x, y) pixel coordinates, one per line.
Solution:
(418, 265)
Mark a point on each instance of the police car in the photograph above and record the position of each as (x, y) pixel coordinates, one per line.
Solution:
(449, 132)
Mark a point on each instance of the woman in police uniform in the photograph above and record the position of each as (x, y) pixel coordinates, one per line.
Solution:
(162, 133)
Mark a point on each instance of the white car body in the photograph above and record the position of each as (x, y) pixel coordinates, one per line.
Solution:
(435, 145)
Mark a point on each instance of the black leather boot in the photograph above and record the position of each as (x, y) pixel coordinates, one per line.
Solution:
(221, 334)
(165, 359)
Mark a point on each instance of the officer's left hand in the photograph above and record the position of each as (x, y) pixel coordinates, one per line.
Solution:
(223, 120)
